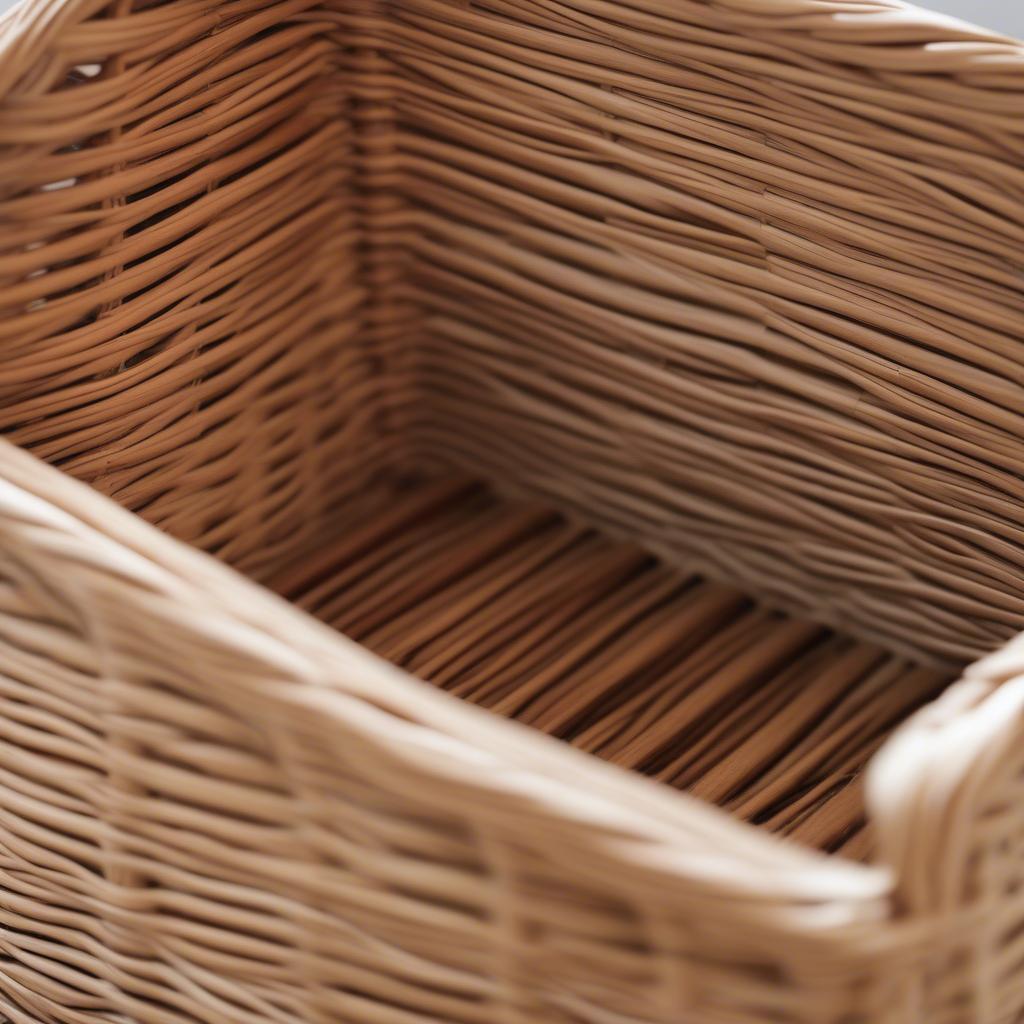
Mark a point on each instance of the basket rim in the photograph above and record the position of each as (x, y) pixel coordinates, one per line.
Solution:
(941, 43)
(679, 847)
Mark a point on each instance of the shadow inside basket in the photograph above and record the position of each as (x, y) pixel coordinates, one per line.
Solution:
(514, 607)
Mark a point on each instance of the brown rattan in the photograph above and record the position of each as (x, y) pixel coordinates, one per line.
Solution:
(689, 681)
(722, 300)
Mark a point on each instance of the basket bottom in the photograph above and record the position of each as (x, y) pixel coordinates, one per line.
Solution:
(514, 607)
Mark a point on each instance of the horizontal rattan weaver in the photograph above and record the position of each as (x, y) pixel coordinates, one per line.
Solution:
(732, 285)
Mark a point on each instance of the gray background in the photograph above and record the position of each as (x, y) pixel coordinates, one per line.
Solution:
(1002, 15)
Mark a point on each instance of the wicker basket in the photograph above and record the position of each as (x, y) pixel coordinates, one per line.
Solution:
(644, 371)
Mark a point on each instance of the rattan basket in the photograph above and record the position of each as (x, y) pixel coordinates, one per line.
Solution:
(645, 371)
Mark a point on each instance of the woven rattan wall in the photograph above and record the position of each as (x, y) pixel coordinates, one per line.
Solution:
(738, 278)
(217, 810)
(180, 283)
(741, 278)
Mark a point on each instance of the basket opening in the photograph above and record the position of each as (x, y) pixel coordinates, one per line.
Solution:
(534, 616)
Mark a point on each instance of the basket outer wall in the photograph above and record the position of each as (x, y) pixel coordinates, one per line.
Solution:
(278, 826)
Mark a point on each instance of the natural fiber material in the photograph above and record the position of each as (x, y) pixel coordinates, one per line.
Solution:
(729, 292)
(179, 288)
(542, 620)
(738, 278)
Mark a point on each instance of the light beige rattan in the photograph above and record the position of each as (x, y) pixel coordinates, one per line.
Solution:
(720, 296)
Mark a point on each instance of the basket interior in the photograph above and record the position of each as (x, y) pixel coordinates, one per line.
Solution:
(719, 296)
(537, 617)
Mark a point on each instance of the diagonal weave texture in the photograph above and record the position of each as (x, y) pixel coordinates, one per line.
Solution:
(737, 278)
(179, 281)
(514, 608)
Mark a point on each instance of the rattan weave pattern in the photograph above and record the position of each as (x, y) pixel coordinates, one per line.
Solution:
(178, 281)
(739, 279)
(513, 607)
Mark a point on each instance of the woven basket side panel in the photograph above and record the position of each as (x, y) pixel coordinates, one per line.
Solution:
(180, 295)
(742, 279)
(268, 832)
(945, 795)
